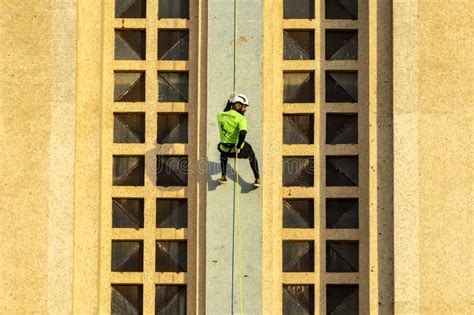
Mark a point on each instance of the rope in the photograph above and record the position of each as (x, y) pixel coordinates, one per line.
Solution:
(236, 203)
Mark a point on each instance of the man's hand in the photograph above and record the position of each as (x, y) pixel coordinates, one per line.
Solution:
(237, 150)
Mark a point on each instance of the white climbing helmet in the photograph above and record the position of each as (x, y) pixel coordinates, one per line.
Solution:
(238, 98)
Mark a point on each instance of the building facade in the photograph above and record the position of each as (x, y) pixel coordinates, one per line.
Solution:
(360, 116)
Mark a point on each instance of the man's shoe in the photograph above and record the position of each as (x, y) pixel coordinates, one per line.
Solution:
(223, 179)
(257, 183)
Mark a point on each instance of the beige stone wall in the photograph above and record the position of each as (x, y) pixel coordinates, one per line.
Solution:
(37, 123)
(41, 157)
(433, 156)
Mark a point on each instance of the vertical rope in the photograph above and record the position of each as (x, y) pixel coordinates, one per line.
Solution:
(236, 194)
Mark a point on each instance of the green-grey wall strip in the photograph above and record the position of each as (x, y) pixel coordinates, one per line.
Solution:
(249, 59)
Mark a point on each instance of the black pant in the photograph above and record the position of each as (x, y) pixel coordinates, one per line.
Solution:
(245, 153)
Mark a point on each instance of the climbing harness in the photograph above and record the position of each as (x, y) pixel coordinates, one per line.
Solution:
(236, 201)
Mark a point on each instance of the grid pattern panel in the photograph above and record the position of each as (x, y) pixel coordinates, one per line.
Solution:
(150, 69)
(339, 149)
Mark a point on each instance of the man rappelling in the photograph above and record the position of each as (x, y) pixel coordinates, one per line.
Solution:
(232, 131)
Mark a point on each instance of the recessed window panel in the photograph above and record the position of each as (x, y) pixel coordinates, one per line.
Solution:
(130, 9)
(298, 299)
(298, 44)
(129, 86)
(130, 45)
(172, 86)
(341, 129)
(298, 9)
(172, 128)
(298, 171)
(298, 129)
(128, 170)
(342, 213)
(298, 87)
(341, 9)
(127, 256)
(171, 170)
(171, 213)
(298, 213)
(170, 300)
(341, 87)
(127, 213)
(173, 44)
(298, 256)
(342, 299)
(127, 299)
(342, 256)
(129, 128)
(173, 9)
(171, 256)
(342, 171)
(341, 44)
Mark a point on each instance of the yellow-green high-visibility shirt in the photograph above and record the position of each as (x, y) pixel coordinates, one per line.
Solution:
(230, 124)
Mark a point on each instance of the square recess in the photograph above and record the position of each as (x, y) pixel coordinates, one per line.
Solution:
(298, 129)
(129, 127)
(298, 87)
(130, 45)
(298, 9)
(298, 256)
(298, 44)
(298, 171)
(298, 213)
(173, 9)
(172, 128)
(173, 44)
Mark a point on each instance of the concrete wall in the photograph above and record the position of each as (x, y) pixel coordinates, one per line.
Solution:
(433, 114)
(37, 125)
(220, 197)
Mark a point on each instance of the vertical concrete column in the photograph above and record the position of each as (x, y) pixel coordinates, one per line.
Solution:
(219, 218)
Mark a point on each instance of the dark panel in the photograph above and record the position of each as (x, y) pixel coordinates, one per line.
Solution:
(341, 129)
(341, 87)
(130, 45)
(298, 171)
(129, 128)
(342, 171)
(342, 299)
(298, 213)
(298, 129)
(298, 87)
(127, 299)
(172, 86)
(173, 45)
(171, 213)
(170, 300)
(127, 213)
(128, 170)
(130, 8)
(129, 87)
(298, 9)
(127, 256)
(298, 299)
(341, 9)
(298, 256)
(172, 128)
(342, 213)
(341, 44)
(342, 256)
(298, 45)
(173, 9)
(171, 256)
(171, 170)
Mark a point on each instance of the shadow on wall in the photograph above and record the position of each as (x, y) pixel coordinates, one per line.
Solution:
(215, 168)
(170, 170)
